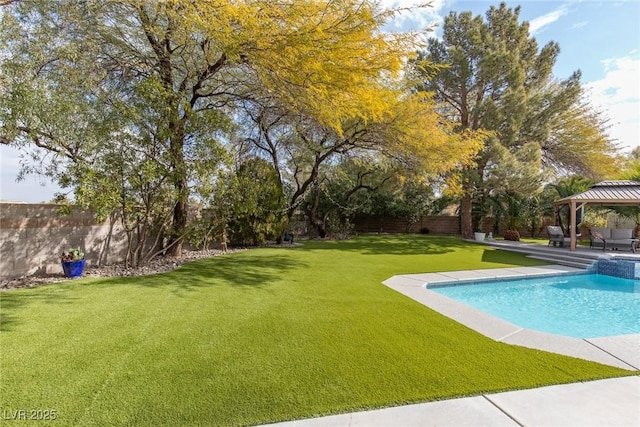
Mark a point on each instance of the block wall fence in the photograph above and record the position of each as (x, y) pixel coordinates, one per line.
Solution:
(33, 237)
(436, 224)
(380, 224)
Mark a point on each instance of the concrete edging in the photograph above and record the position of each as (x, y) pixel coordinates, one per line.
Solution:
(621, 351)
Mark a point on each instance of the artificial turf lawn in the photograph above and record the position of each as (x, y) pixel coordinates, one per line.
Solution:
(259, 336)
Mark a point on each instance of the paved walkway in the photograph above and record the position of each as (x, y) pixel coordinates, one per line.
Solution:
(610, 402)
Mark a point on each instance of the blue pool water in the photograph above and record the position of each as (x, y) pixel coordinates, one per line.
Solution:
(580, 306)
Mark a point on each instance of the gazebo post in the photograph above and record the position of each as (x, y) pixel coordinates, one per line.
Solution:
(605, 193)
(572, 224)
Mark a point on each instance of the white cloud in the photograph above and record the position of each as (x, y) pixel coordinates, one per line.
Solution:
(537, 24)
(579, 25)
(618, 95)
(419, 18)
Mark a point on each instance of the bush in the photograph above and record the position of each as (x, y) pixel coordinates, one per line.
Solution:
(340, 228)
(258, 211)
(512, 235)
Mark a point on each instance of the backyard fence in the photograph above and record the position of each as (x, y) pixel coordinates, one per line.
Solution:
(33, 237)
(435, 224)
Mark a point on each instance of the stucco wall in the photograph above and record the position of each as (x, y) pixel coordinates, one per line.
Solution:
(435, 224)
(33, 237)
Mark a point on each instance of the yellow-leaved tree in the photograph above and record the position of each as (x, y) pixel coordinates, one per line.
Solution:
(148, 90)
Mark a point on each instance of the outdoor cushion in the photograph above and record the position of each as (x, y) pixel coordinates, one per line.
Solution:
(556, 235)
(555, 230)
(621, 233)
(616, 238)
(605, 233)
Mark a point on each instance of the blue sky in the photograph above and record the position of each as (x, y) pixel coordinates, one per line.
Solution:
(600, 38)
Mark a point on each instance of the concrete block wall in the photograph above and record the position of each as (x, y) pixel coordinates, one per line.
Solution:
(437, 224)
(33, 237)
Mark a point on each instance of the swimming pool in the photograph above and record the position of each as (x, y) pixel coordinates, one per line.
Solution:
(577, 305)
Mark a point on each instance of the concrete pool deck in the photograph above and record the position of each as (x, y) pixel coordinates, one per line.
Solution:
(609, 402)
(612, 402)
(622, 351)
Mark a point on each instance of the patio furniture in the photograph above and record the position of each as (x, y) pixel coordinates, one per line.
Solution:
(605, 193)
(612, 238)
(556, 235)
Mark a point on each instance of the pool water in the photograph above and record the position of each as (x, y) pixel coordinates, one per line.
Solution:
(579, 306)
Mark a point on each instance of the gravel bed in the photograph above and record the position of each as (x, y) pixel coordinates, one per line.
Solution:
(155, 266)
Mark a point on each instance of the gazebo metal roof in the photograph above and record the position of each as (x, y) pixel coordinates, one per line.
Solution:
(608, 192)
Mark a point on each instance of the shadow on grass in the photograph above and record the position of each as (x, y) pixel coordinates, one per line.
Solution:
(406, 244)
(238, 270)
(242, 270)
(12, 301)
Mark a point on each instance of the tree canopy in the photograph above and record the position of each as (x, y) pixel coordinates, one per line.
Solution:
(159, 88)
(491, 75)
(137, 106)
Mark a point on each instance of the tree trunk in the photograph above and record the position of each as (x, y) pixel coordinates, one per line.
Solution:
(179, 223)
(321, 229)
(312, 214)
(178, 227)
(466, 219)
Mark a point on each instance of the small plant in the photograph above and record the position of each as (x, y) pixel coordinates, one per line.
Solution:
(74, 254)
(512, 235)
(73, 262)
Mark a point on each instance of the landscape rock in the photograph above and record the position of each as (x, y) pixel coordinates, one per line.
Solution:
(155, 266)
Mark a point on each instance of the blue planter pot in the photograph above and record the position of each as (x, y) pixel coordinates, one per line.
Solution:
(73, 269)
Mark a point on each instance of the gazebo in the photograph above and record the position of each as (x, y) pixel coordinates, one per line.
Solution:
(605, 193)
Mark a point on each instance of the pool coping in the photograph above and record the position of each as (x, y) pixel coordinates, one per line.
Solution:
(622, 351)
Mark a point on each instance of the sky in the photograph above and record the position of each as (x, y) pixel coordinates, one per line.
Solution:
(599, 38)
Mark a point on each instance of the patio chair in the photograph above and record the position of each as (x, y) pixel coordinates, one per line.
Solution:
(613, 238)
(556, 235)
(598, 237)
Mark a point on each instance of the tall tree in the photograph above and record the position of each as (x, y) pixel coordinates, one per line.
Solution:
(303, 150)
(338, 185)
(492, 76)
(561, 188)
(579, 144)
(175, 69)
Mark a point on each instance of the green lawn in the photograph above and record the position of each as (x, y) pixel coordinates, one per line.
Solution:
(259, 336)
